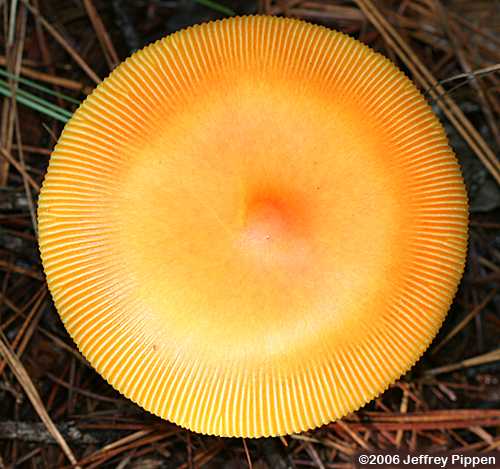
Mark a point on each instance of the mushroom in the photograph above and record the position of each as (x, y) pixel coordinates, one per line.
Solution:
(253, 226)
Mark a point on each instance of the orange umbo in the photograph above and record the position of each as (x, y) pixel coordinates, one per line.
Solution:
(253, 226)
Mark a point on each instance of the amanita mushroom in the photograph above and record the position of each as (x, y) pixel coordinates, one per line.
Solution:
(253, 226)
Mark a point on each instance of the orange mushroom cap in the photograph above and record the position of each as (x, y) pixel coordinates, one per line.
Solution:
(253, 226)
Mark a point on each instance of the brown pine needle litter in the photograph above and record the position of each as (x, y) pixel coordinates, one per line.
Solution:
(58, 412)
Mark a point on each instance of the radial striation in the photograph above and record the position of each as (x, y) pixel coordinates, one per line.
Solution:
(253, 226)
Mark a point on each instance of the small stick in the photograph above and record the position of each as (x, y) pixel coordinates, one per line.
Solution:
(65, 45)
(29, 388)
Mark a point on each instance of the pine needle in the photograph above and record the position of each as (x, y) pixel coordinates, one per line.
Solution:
(29, 388)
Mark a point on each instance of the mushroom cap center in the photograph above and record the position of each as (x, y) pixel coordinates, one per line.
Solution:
(236, 219)
(274, 230)
(267, 221)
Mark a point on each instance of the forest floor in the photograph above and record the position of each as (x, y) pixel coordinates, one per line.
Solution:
(54, 408)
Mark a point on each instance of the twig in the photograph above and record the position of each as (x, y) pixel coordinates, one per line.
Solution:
(14, 55)
(5, 265)
(489, 357)
(20, 167)
(19, 344)
(427, 81)
(29, 388)
(53, 80)
(465, 321)
(103, 36)
(469, 76)
(64, 44)
(455, 34)
(26, 182)
(247, 454)
(34, 432)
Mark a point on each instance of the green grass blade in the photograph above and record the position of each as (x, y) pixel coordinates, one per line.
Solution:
(216, 6)
(37, 99)
(37, 86)
(41, 101)
(50, 110)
